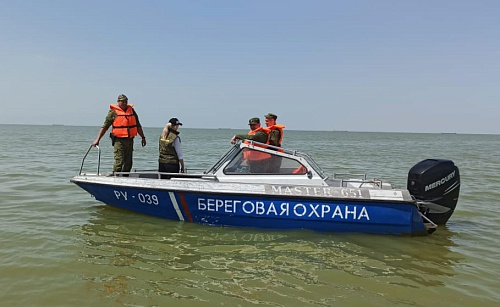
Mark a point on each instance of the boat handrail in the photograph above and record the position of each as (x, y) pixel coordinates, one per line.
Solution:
(377, 182)
(295, 153)
(98, 159)
(363, 176)
(362, 179)
(313, 164)
(137, 174)
(253, 144)
(156, 171)
(280, 150)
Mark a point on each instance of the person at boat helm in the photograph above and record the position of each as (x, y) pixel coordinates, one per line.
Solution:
(126, 126)
(276, 134)
(170, 152)
(256, 133)
(258, 162)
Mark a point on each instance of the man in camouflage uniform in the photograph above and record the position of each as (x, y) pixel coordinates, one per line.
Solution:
(259, 136)
(275, 139)
(276, 134)
(257, 161)
(123, 143)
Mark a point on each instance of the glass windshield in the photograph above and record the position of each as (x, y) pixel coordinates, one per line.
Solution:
(250, 161)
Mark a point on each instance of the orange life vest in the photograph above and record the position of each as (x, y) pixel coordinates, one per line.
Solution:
(300, 170)
(253, 155)
(280, 128)
(125, 123)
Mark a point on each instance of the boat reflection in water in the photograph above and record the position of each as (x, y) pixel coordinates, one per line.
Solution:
(130, 255)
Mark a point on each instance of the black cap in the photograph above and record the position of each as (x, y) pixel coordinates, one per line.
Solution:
(254, 120)
(271, 115)
(122, 97)
(175, 121)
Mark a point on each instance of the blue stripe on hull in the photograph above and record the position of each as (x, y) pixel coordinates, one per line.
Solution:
(265, 212)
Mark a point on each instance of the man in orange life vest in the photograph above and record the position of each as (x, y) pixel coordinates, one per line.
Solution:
(275, 139)
(126, 126)
(256, 133)
(257, 161)
(276, 134)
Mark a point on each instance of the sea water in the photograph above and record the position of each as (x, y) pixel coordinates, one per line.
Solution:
(61, 247)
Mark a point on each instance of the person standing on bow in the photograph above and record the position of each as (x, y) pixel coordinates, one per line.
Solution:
(170, 158)
(126, 126)
(276, 134)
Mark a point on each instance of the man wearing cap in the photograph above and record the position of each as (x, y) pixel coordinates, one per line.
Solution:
(276, 134)
(126, 126)
(256, 133)
(258, 161)
(275, 139)
(170, 152)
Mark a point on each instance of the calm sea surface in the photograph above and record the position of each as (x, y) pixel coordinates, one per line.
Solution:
(60, 247)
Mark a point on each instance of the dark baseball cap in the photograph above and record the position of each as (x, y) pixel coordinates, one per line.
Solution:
(175, 121)
(254, 120)
(122, 97)
(271, 115)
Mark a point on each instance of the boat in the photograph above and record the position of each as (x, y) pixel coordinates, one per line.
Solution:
(283, 189)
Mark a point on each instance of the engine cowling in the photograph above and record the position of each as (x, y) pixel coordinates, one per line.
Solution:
(435, 184)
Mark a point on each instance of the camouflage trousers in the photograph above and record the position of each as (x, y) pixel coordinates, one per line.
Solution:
(123, 149)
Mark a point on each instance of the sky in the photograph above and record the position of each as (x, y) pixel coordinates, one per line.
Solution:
(380, 66)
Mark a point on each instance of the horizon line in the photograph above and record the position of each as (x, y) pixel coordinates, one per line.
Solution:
(227, 128)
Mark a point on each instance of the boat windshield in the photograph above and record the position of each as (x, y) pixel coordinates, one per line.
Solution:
(254, 162)
(312, 163)
(227, 156)
(279, 161)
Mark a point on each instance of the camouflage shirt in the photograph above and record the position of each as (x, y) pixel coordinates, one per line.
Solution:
(260, 137)
(274, 137)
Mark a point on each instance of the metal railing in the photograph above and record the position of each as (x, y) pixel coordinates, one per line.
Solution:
(98, 159)
(138, 173)
(361, 179)
(281, 150)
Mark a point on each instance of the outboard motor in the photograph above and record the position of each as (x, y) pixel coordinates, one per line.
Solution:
(435, 183)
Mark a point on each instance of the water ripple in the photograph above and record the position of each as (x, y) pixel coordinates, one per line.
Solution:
(60, 247)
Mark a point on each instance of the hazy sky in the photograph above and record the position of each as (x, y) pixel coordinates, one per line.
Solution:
(409, 66)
